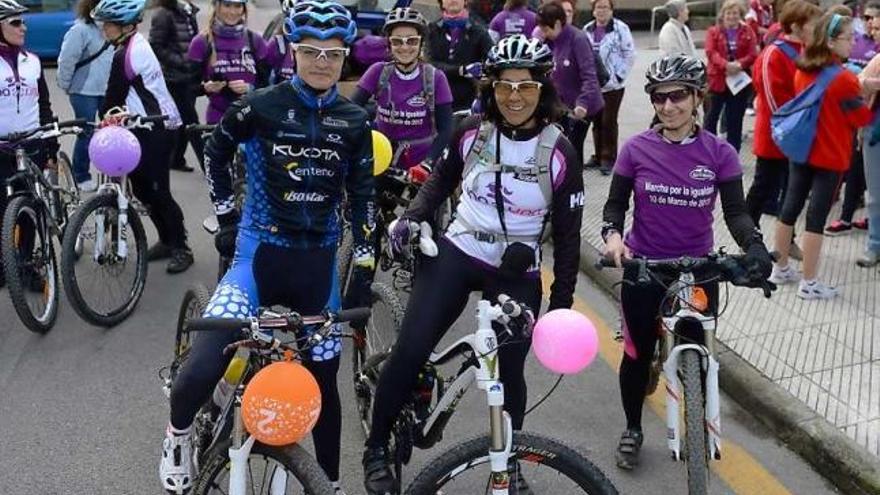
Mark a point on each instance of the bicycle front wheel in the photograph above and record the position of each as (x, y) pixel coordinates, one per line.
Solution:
(695, 423)
(29, 263)
(287, 469)
(372, 346)
(194, 302)
(546, 465)
(104, 283)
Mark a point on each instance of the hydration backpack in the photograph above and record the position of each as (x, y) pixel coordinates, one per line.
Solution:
(793, 125)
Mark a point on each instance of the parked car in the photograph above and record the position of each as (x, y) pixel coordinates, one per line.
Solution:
(47, 21)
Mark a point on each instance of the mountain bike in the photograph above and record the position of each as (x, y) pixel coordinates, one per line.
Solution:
(503, 458)
(229, 459)
(104, 252)
(239, 177)
(38, 206)
(686, 353)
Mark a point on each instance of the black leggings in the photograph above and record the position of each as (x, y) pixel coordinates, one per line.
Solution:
(307, 286)
(641, 328)
(439, 296)
(855, 185)
(184, 96)
(771, 175)
(805, 180)
(150, 183)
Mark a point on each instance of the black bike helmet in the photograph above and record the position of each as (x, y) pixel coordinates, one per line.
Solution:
(676, 69)
(405, 16)
(518, 52)
(11, 8)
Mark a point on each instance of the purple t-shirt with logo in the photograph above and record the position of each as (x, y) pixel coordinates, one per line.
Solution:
(515, 21)
(231, 58)
(401, 109)
(279, 57)
(674, 190)
(863, 50)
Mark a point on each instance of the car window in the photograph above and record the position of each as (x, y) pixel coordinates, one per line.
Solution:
(37, 6)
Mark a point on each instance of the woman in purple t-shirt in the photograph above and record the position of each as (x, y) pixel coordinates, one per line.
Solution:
(230, 54)
(673, 172)
(516, 18)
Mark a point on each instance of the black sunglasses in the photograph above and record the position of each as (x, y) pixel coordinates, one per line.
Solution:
(677, 96)
(16, 22)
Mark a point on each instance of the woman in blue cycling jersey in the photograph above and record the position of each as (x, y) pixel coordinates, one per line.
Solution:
(230, 55)
(306, 147)
(673, 173)
(519, 178)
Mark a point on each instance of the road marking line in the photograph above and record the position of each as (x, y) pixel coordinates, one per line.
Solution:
(741, 472)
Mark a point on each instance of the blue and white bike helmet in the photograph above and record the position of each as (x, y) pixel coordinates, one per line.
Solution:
(321, 20)
(119, 11)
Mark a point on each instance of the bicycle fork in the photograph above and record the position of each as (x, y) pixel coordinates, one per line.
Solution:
(709, 366)
(122, 204)
(487, 375)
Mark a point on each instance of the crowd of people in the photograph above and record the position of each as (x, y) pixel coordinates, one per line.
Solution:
(534, 83)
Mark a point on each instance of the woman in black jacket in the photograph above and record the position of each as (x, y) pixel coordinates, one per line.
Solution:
(457, 46)
(173, 27)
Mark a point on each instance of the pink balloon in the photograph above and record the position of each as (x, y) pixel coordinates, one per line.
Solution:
(565, 341)
(114, 151)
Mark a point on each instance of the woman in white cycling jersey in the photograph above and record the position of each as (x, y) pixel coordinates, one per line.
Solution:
(519, 178)
(136, 82)
(673, 172)
(24, 96)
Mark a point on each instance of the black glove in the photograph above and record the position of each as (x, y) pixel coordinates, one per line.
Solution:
(224, 239)
(758, 262)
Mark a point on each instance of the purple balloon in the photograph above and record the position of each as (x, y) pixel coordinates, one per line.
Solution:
(114, 151)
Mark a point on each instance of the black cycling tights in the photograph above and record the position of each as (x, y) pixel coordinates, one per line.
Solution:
(266, 275)
(440, 293)
(641, 328)
(151, 184)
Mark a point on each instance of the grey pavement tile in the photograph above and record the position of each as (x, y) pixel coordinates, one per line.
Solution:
(867, 434)
(818, 399)
(858, 386)
(862, 335)
(753, 314)
(769, 365)
(809, 350)
(817, 312)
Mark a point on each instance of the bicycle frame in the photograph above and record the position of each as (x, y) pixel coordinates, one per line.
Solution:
(484, 343)
(684, 291)
(35, 184)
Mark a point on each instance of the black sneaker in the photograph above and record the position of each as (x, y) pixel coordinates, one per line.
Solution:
(628, 449)
(158, 251)
(606, 169)
(181, 259)
(378, 478)
(593, 162)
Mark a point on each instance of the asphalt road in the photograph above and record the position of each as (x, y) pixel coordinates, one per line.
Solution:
(82, 411)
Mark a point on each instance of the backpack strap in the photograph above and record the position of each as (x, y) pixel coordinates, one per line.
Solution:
(428, 91)
(384, 81)
(787, 49)
(478, 153)
(544, 159)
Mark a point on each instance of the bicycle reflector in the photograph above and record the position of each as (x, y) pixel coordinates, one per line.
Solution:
(281, 404)
(381, 153)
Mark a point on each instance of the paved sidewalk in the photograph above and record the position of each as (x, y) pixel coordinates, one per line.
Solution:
(826, 354)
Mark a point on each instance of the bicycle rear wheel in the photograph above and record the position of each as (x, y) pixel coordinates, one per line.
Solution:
(29, 263)
(103, 287)
(547, 465)
(287, 469)
(372, 346)
(695, 423)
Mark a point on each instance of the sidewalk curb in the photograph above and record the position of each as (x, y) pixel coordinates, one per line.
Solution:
(834, 455)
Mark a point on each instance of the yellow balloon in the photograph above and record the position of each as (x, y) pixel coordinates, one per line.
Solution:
(381, 153)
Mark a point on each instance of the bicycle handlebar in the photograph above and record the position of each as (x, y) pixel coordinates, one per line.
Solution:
(728, 268)
(288, 321)
(18, 137)
(200, 128)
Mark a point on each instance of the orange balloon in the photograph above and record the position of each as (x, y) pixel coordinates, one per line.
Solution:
(281, 404)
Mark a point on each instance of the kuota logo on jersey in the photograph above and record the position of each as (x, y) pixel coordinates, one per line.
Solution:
(298, 152)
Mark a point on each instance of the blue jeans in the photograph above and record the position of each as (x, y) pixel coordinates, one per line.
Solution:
(872, 182)
(84, 107)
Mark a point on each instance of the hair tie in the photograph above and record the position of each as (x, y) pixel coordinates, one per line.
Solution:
(835, 22)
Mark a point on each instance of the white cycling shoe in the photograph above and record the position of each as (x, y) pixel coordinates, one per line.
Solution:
(176, 469)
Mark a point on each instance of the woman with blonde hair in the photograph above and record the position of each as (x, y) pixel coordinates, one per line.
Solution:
(842, 112)
(731, 48)
(229, 54)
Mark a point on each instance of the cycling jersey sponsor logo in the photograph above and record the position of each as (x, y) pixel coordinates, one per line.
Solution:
(241, 114)
(304, 197)
(416, 101)
(299, 152)
(702, 172)
(489, 200)
(334, 122)
(297, 173)
(576, 200)
(290, 135)
(291, 117)
(334, 138)
(21, 89)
